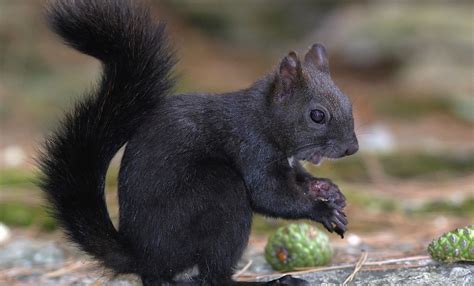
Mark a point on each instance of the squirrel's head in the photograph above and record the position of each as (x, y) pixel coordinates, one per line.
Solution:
(313, 117)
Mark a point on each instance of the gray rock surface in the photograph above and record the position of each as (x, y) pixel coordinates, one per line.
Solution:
(27, 262)
(433, 274)
(27, 253)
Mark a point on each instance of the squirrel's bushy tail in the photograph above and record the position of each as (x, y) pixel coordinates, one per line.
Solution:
(136, 75)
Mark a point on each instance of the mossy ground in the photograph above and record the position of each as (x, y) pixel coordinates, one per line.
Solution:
(351, 174)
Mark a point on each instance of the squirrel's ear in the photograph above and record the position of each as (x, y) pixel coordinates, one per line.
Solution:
(289, 73)
(317, 57)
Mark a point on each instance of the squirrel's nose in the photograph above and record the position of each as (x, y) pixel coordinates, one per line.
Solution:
(352, 149)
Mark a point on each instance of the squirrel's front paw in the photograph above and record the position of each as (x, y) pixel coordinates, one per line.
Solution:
(330, 204)
(326, 191)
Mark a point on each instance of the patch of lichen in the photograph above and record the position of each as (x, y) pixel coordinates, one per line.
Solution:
(22, 215)
(415, 165)
(17, 177)
(462, 208)
(397, 165)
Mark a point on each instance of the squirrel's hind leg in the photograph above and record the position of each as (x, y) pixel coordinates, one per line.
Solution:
(152, 281)
(156, 281)
(286, 280)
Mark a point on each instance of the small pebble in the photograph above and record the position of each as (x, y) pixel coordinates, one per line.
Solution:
(5, 234)
(13, 156)
(459, 272)
(354, 240)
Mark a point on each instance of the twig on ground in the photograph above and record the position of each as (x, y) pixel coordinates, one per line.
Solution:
(242, 271)
(338, 267)
(66, 269)
(358, 266)
(13, 271)
(396, 260)
(388, 267)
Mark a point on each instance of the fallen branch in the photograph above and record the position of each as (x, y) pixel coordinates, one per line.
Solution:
(358, 266)
(241, 271)
(66, 269)
(338, 267)
(6, 273)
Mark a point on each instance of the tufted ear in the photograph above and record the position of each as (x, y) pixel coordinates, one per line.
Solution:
(290, 73)
(317, 58)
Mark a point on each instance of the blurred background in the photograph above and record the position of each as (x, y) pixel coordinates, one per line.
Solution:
(407, 67)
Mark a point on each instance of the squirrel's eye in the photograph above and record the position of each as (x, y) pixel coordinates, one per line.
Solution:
(317, 116)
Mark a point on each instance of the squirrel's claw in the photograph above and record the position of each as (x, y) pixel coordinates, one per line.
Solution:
(327, 225)
(340, 223)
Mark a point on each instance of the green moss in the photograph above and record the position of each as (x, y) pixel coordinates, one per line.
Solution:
(397, 165)
(16, 214)
(371, 201)
(424, 164)
(15, 177)
(262, 225)
(47, 223)
(27, 178)
(20, 215)
(350, 169)
(463, 208)
(412, 107)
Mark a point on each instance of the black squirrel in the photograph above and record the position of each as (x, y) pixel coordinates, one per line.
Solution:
(196, 166)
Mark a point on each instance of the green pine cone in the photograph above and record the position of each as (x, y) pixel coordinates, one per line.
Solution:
(456, 245)
(298, 245)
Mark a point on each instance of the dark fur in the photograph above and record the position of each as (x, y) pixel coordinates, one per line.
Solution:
(195, 166)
